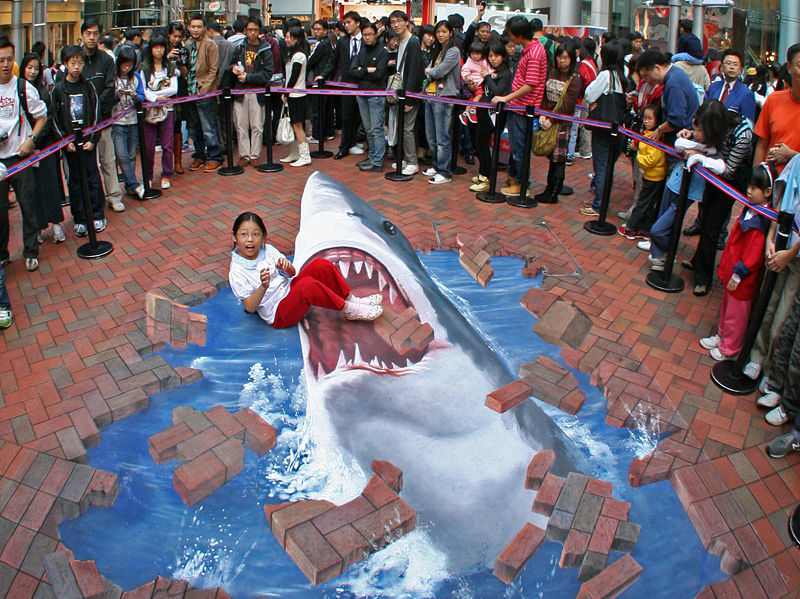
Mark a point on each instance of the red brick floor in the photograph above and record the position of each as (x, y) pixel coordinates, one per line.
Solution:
(72, 361)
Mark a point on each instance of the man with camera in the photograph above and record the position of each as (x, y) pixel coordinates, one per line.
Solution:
(19, 106)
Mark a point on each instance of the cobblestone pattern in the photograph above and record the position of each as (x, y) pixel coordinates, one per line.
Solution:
(324, 539)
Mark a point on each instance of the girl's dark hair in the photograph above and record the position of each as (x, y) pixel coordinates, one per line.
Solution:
(480, 47)
(499, 48)
(655, 108)
(611, 56)
(712, 117)
(763, 176)
(148, 62)
(437, 47)
(249, 216)
(126, 54)
(573, 60)
(301, 43)
(37, 83)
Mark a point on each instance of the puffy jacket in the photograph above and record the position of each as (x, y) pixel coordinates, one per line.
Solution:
(262, 69)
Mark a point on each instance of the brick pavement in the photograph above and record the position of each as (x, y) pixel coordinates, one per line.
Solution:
(74, 359)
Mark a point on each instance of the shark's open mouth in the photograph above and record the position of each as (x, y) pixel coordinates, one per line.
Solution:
(335, 342)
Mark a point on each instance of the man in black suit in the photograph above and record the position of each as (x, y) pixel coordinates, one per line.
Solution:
(317, 61)
(346, 48)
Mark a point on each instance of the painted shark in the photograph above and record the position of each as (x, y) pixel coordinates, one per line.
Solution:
(464, 465)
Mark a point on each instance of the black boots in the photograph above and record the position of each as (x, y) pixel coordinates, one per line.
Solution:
(555, 180)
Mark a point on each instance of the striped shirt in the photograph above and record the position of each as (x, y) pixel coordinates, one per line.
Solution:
(532, 70)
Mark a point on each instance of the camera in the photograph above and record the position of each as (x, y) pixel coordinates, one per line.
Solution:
(183, 56)
(3, 137)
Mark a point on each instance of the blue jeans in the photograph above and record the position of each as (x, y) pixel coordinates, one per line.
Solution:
(126, 138)
(603, 154)
(661, 229)
(515, 123)
(5, 302)
(201, 119)
(438, 118)
(373, 111)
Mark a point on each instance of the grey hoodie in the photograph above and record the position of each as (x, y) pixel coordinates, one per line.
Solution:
(447, 73)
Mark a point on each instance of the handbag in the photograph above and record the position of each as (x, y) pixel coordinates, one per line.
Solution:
(543, 141)
(285, 133)
(610, 107)
(157, 114)
(396, 81)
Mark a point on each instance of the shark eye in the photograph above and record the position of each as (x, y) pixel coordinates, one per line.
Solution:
(389, 228)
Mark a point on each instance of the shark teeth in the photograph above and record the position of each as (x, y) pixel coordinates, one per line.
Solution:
(357, 262)
(344, 267)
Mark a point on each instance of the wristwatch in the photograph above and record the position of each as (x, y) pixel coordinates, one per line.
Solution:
(33, 138)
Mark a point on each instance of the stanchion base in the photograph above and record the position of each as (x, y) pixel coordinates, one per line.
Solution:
(151, 194)
(395, 176)
(87, 252)
(794, 526)
(595, 227)
(321, 154)
(269, 167)
(526, 202)
(491, 198)
(656, 280)
(459, 170)
(731, 379)
(227, 171)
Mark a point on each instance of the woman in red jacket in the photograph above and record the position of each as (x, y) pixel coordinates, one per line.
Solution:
(741, 268)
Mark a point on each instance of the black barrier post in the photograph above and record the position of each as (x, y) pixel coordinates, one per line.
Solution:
(321, 151)
(491, 196)
(523, 201)
(268, 166)
(600, 226)
(728, 374)
(665, 280)
(397, 174)
(95, 248)
(231, 169)
(149, 192)
(454, 168)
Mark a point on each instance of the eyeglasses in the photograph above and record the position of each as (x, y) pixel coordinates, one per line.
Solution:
(730, 63)
(7, 60)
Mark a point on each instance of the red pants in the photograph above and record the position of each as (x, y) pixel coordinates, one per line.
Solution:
(319, 283)
(733, 319)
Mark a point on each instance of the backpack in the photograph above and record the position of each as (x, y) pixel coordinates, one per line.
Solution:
(550, 50)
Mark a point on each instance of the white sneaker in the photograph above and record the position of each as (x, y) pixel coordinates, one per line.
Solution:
(752, 370)
(118, 206)
(777, 416)
(100, 225)
(769, 400)
(643, 245)
(80, 230)
(356, 150)
(717, 355)
(165, 183)
(429, 172)
(710, 342)
(311, 140)
(394, 165)
(140, 191)
(58, 233)
(763, 386)
(438, 179)
(410, 169)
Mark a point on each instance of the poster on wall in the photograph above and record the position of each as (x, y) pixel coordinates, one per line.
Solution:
(496, 18)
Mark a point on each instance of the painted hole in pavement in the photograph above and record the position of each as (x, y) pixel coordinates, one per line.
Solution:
(224, 540)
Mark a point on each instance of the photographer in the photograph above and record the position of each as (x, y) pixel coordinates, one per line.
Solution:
(18, 98)
(179, 57)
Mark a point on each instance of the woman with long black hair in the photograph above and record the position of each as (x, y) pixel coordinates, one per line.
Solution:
(299, 50)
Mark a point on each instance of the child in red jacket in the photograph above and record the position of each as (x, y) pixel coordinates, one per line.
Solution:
(741, 268)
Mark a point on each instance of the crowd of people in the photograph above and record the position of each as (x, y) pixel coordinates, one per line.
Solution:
(737, 124)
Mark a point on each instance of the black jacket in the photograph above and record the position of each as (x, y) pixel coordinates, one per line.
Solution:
(61, 118)
(100, 69)
(339, 60)
(319, 57)
(370, 56)
(262, 69)
(497, 86)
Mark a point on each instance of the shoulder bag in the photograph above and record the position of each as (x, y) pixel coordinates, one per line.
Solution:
(544, 141)
(285, 134)
(610, 107)
(396, 80)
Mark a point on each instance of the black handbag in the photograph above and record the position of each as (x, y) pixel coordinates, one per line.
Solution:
(610, 107)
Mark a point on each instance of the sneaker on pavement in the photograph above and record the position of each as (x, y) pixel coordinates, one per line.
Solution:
(479, 187)
(356, 150)
(31, 264)
(625, 232)
(464, 118)
(585, 156)
(783, 445)
(644, 245)
(777, 416)
(39, 238)
(410, 169)
(80, 230)
(139, 192)
(212, 166)
(770, 399)
(589, 211)
(5, 317)
(58, 233)
(624, 215)
(429, 172)
(100, 225)
(710, 342)
(763, 386)
(752, 370)
(394, 165)
(165, 183)
(714, 351)
(118, 206)
(438, 179)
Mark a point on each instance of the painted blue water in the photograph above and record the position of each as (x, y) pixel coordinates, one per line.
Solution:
(224, 539)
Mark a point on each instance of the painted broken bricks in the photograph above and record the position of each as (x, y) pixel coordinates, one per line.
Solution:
(474, 256)
(324, 539)
(210, 447)
(585, 519)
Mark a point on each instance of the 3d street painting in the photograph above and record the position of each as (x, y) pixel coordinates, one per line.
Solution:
(397, 458)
